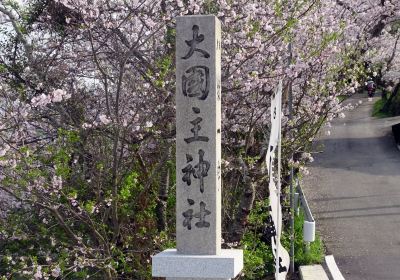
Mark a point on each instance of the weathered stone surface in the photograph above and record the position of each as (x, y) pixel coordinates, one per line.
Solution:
(313, 272)
(198, 278)
(198, 135)
(173, 265)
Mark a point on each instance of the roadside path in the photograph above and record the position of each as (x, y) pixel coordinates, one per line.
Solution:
(354, 193)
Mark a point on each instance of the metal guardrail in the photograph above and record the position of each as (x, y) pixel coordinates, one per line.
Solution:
(309, 222)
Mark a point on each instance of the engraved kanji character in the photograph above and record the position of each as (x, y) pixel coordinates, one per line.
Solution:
(193, 43)
(196, 128)
(199, 171)
(196, 82)
(201, 216)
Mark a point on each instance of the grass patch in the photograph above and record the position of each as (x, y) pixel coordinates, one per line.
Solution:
(258, 258)
(377, 110)
(315, 254)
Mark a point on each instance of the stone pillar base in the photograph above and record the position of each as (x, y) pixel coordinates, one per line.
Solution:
(175, 266)
(198, 278)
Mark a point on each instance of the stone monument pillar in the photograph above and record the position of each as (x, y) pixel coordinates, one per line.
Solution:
(198, 158)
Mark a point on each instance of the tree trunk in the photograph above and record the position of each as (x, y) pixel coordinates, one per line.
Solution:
(238, 226)
(161, 208)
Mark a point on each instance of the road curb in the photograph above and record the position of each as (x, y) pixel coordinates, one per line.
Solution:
(333, 268)
(313, 272)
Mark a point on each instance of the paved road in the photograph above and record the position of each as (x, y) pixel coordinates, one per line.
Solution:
(354, 192)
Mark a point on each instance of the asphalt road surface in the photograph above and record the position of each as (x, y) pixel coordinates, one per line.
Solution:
(354, 192)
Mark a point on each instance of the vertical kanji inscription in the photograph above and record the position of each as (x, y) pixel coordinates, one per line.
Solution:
(198, 135)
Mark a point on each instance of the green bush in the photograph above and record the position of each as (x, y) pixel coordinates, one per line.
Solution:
(394, 106)
(258, 257)
(378, 111)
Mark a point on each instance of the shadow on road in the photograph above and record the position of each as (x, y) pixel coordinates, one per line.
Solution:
(380, 151)
(359, 216)
(358, 209)
(341, 198)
